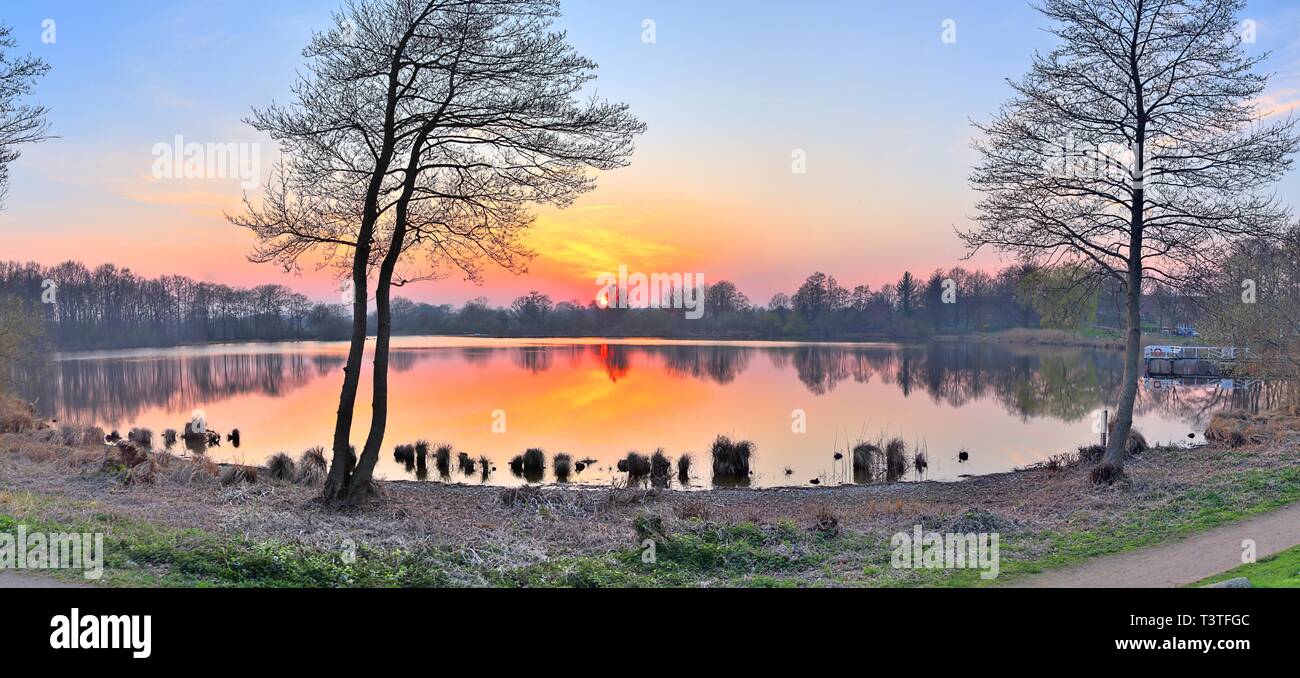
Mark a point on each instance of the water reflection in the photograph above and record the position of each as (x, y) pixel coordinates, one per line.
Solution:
(603, 398)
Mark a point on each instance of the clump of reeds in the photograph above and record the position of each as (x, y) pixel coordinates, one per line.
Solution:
(731, 459)
(405, 455)
(72, 436)
(562, 464)
(517, 465)
(442, 459)
(421, 452)
(660, 465)
(465, 463)
(866, 461)
(310, 469)
(1058, 462)
(112, 437)
(921, 461)
(895, 459)
(238, 473)
(233, 437)
(1135, 444)
(16, 415)
(1091, 454)
(534, 460)
(280, 467)
(169, 438)
(93, 435)
(142, 437)
(485, 467)
(129, 454)
(826, 522)
(684, 468)
(635, 465)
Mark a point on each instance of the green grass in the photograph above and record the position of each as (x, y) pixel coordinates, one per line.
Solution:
(1280, 570)
(686, 553)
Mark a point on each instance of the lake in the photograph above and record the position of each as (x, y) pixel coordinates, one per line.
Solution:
(1008, 407)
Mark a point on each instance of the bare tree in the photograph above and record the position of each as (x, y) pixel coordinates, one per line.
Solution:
(425, 160)
(19, 123)
(1133, 146)
(506, 128)
(354, 113)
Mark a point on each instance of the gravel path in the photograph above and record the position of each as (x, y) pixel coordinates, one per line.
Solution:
(1181, 562)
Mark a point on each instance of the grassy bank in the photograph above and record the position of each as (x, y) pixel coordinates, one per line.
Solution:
(1280, 570)
(187, 530)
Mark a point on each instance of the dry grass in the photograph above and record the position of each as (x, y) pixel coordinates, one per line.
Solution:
(442, 458)
(635, 465)
(731, 459)
(310, 470)
(236, 474)
(1239, 429)
(16, 415)
(684, 468)
(895, 459)
(562, 464)
(541, 525)
(660, 465)
(866, 462)
(280, 467)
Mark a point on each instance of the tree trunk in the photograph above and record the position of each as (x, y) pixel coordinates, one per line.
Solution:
(361, 487)
(1111, 467)
(340, 474)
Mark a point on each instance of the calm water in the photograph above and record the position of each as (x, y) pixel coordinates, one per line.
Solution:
(1009, 407)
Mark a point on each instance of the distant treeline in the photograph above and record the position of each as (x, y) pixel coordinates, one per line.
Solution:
(111, 307)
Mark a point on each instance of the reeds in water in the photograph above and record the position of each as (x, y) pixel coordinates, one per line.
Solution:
(731, 459)
(562, 464)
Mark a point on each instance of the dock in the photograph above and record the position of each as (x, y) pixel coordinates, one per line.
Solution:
(1195, 361)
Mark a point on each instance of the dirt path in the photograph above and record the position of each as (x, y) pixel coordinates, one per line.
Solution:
(1180, 562)
(21, 580)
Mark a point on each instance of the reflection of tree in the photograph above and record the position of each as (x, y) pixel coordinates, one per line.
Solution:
(720, 364)
(118, 389)
(1029, 383)
(1195, 402)
(616, 359)
(534, 358)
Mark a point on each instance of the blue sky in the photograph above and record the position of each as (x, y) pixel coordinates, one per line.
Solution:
(868, 90)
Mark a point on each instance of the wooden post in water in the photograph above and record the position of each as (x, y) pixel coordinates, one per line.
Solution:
(1105, 426)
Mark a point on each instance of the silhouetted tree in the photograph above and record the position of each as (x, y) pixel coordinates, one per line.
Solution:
(1134, 146)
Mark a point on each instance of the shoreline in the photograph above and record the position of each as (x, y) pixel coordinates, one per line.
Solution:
(185, 529)
(1011, 337)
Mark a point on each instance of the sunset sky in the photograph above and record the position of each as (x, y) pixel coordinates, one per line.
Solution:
(729, 90)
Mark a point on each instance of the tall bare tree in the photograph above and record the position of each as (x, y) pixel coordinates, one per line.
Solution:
(19, 123)
(1134, 146)
(491, 120)
(507, 128)
(355, 111)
